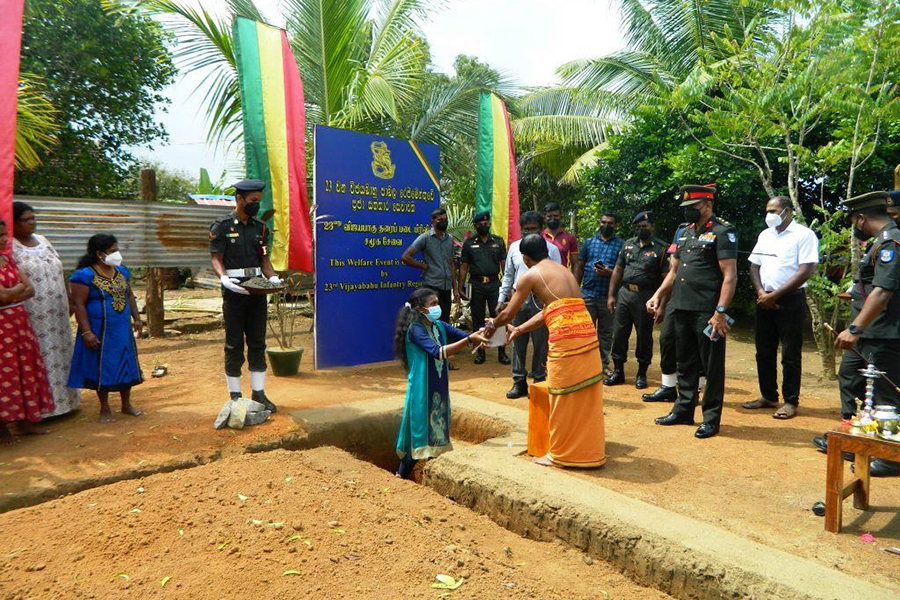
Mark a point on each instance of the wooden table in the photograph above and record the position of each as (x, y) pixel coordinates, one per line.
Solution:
(842, 440)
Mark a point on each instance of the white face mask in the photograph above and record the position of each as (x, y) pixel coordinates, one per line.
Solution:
(773, 220)
(114, 259)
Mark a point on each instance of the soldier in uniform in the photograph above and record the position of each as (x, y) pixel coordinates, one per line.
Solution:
(239, 251)
(701, 280)
(668, 389)
(482, 256)
(893, 206)
(640, 268)
(874, 314)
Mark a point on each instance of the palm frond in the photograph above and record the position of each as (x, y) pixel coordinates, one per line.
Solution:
(36, 123)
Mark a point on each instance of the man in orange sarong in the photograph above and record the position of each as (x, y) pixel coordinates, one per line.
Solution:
(574, 371)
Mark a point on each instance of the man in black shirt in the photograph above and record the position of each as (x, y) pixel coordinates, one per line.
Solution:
(238, 244)
(482, 256)
(701, 280)
(640, 269)
(874, 314)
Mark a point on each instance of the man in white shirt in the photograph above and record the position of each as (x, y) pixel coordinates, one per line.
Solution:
(529, 222)
(784, 258)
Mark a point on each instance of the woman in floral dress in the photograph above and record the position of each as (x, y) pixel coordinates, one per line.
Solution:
(49, 309)
(24, 391)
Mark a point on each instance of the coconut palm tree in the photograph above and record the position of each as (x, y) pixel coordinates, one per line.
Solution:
(665, 41)
(363, 63)
(36, 124)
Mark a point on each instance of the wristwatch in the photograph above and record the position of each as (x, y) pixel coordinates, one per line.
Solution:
(854, 330)
(721, 309)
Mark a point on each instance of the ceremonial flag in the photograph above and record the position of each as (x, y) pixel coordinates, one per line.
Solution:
(274, 142)
(10, 39)
(496, 186)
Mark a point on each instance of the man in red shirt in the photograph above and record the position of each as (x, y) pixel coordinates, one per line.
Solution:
(559, 237)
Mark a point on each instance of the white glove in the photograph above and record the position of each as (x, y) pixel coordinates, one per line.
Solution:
(276, 280)
(232, 285)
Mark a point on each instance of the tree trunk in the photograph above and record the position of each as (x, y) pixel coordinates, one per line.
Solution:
(824, 341)
(155, 295)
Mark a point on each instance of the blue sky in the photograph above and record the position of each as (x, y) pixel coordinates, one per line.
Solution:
(528, 39)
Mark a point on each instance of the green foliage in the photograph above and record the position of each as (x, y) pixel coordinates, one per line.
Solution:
(103, 75)
(36, 124)
(172, 185)
(206, 186)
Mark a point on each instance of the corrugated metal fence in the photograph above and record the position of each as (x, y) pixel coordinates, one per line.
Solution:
(150, 234)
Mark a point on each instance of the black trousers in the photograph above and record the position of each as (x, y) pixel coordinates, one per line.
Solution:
(445, 300)
(784, 325)
(668, 363)
(696, 351)
(245, 318)
(483, 294)
(539, 346)
(886, 356)
(631, 311)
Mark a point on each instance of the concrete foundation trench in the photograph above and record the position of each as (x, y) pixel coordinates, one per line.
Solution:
(487, 474)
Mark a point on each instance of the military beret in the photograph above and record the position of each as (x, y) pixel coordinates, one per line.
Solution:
(690, 194)
(249, 185)
(644, 215)
(480, 216)
(894, 199)
(869, 200)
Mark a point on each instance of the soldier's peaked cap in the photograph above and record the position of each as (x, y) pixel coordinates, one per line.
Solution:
(691, 194)
(249, 185)
(644, 215)
(481, 216)
(869, 200)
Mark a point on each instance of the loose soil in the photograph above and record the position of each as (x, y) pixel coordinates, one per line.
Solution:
(758, 478)
(313, 524)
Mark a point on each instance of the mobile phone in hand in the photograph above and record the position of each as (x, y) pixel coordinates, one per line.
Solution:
(708, 332)
(599, 265)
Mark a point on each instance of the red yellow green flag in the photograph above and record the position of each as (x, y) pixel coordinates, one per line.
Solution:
(10, 38)
(274, 141)
(496, 185)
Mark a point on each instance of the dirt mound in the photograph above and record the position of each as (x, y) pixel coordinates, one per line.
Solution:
(314, 524)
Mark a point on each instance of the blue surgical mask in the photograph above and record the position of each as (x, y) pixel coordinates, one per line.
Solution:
(434, 313)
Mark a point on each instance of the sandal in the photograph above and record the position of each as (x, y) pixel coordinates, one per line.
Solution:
(788, 411)
(759, 403)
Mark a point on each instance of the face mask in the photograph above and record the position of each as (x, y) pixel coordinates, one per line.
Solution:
(482, 229)
(114, 259)
(691, 214)
(773, 220)
(644, 234)
(441, 226)
(251, 209)
(434, 313)
(553, 224)
(607, 230)
(860, 234)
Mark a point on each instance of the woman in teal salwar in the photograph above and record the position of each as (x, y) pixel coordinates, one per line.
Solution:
(423, 344)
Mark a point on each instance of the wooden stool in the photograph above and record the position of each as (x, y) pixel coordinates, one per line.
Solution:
(538, 419)
(840, 440)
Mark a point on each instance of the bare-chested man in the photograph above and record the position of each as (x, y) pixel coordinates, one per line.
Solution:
(574, 371)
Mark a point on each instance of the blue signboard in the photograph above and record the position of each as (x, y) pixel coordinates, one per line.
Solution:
(374, 195)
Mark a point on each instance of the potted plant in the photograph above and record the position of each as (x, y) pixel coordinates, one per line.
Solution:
(284, 315)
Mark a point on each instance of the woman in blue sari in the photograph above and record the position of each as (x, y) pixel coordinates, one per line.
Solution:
(423, 344)
(105, 356)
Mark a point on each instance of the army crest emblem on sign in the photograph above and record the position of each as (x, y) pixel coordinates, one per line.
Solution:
(382, 167)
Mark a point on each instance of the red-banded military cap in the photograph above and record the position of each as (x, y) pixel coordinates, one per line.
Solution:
(691, 194)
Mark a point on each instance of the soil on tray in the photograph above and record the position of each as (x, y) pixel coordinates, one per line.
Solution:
(260, 283)
(313, 524)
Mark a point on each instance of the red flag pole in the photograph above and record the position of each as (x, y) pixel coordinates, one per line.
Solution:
(10, 42)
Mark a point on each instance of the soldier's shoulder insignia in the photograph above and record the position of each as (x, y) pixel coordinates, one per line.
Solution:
(732, 237)
(722, 221)
(886, 255)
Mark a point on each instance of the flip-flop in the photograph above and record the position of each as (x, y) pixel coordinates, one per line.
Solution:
(782, 415)
(759, 403)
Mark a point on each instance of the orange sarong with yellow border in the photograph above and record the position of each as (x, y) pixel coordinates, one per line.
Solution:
(574, 376)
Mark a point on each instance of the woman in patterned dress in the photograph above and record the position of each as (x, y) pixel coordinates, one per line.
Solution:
(49, 308)
(105, 357)
(24, 390)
